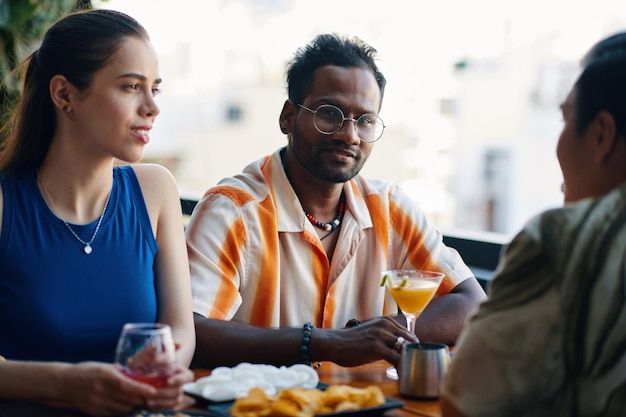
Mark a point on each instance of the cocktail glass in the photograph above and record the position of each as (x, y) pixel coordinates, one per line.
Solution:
(412, 290)
(146, 352)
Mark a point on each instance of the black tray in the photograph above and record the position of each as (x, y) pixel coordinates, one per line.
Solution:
(192, 413)
(221, 409)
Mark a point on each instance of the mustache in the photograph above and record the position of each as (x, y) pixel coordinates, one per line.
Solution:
(352, 151)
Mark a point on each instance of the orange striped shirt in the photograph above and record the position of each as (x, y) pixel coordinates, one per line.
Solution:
(255, 258)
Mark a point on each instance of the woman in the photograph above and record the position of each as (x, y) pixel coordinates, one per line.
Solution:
(550, 340)
(85, 245)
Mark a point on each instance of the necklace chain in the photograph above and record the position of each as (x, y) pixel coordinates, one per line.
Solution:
(87, 245)
(329, 227)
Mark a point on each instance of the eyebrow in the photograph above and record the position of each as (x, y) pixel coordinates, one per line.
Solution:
(139, 77)
(325, 100)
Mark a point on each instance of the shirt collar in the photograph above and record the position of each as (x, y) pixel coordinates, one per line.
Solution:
(290, 214)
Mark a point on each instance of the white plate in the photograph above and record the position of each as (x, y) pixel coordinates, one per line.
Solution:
(227, 384)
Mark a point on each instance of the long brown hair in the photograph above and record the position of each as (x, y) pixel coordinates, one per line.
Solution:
(76, 46)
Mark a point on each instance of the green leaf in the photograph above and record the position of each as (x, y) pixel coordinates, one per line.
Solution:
(14, 13)
(5, 14)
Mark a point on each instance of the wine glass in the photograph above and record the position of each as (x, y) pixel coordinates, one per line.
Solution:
(412, 290)
(146, 352)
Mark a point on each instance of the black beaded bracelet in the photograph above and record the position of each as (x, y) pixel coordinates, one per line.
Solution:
(353, 323)
(306, 339)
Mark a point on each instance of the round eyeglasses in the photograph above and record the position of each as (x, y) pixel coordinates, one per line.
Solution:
(329, 119)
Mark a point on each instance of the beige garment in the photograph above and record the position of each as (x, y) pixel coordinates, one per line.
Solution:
(255, 258)
(551, 339)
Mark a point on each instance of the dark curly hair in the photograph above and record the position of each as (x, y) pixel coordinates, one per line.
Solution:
(329, 49)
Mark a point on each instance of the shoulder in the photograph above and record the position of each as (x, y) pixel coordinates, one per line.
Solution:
(153, 177)
(372, 186)
(389, 199)
(382, 190)
(15, 181)
(576, 226)
(151, 172)
(254, 183)
(157, 185)
(555, 245)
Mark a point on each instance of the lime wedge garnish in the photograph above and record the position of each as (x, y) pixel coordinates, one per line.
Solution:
(389, 281)
(386, 278)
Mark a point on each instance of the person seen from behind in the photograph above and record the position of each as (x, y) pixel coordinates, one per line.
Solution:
(550, 341)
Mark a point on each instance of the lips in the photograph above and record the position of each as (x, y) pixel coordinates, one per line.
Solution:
(342, 152)
(142, 133)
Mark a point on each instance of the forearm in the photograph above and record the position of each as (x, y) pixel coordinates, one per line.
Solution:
(31, 380)
(443, 320)
(227, 343)
(444, 317)
(186, 341)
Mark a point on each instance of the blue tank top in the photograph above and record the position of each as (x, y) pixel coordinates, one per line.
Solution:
(56, 302)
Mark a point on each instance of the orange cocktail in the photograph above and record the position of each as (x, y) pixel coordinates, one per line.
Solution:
(414, 296)
(412, 290)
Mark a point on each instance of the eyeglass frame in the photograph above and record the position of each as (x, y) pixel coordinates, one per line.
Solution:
(343, 119)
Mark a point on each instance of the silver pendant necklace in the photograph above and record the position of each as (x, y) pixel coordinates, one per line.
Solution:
(86, 245)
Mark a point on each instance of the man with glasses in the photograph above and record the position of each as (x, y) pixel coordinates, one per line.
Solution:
(286, 258)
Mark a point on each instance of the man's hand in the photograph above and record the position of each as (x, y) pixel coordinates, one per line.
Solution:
(369, 341)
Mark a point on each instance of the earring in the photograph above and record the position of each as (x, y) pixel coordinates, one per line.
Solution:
(65, 109)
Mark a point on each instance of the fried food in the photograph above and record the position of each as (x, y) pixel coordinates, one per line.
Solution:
(301, 402)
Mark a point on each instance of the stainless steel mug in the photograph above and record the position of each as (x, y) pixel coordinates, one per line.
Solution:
(422, 368)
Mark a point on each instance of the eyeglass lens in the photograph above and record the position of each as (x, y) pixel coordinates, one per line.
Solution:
(328, 119)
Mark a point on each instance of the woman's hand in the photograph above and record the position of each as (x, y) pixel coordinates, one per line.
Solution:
(102, 390)
(171, 396)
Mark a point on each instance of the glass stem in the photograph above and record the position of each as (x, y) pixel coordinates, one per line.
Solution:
(410, 322)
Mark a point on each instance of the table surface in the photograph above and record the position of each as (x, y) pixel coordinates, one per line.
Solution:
(329, 373)
(370, 374)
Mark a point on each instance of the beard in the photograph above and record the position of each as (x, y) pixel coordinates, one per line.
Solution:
(311, 155)
(319, 169)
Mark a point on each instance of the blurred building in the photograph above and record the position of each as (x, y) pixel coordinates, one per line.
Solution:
(508, 122)
(471, 105)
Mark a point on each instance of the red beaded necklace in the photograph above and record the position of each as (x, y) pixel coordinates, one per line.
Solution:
(335, 223)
